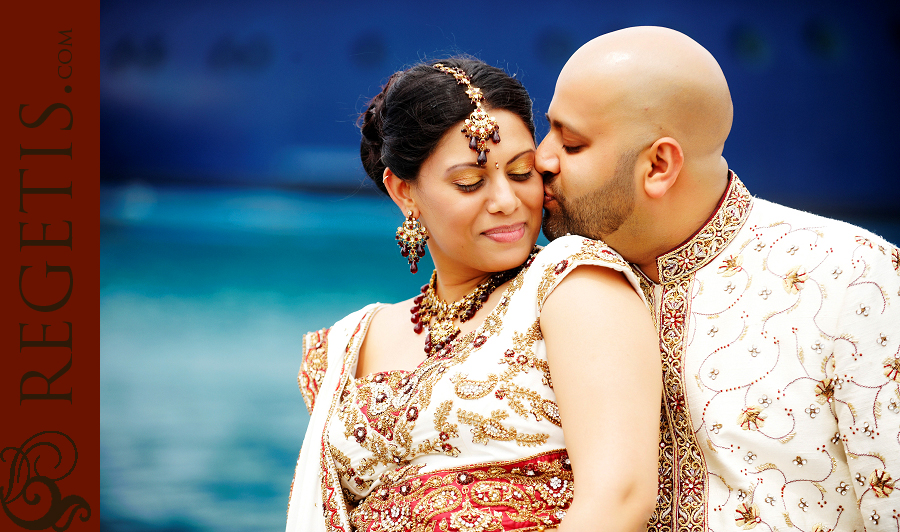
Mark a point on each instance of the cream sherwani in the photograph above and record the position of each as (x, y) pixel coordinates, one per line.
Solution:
(780, 337)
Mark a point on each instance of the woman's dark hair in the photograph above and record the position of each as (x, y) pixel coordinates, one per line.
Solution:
(404, 123)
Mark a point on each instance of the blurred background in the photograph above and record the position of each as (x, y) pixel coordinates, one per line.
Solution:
(236, 215)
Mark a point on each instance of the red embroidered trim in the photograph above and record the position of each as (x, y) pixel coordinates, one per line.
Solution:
(517, 495)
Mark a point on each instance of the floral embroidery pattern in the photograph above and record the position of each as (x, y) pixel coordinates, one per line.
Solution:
(881, 483)
(825, 391)
(810, 383)
(712, 237)
(748, 516)
(731, 266)
(892, 368)
(491, 428)
(471, 389)
(794, 279)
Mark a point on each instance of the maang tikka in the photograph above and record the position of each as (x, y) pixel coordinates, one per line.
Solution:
(411, 237)
(480, 126)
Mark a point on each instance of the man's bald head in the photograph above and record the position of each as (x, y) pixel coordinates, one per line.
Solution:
(638, 123)
(657, 81)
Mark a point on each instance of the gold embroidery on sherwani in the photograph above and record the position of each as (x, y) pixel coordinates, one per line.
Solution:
(790, 378)
(682, 499)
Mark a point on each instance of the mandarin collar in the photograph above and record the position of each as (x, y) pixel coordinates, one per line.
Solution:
(712, 238)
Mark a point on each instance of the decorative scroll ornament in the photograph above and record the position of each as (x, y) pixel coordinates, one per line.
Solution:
(31, 498)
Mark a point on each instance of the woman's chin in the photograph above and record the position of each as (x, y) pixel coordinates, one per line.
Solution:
(510, 255)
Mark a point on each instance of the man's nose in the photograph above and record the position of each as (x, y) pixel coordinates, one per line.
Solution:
(545, 161)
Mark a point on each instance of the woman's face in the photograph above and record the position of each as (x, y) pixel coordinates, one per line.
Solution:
(481, 219)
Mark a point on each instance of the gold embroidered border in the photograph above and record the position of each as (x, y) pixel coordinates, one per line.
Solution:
(313, 366)
(683, 475)
(712, 238)
(683, 487)
(592, 253)
(522, 495)
(334, 502)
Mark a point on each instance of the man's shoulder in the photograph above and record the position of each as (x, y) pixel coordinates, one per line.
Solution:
(766, 214)
(839, 238)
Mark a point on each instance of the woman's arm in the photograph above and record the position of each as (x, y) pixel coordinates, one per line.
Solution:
(604, 360)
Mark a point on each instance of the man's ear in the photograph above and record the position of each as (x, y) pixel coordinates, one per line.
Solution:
(666, 159)
(399, 191)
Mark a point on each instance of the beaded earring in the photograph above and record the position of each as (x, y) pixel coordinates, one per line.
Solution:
(411, 237)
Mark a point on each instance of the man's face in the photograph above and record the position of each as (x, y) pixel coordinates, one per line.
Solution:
(596, 213)
(588, 170)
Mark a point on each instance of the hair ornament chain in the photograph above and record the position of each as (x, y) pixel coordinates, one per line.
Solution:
(480, 126)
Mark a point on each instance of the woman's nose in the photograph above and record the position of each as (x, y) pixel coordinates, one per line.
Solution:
(503, 197)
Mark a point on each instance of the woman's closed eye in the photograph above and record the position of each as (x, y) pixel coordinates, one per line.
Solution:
(470, 186)
(516, 172)
(571, 149)
(522, 177)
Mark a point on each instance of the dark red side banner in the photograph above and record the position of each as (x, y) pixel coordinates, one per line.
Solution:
(49, 267)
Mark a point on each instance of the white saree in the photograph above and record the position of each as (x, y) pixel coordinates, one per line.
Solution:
(305, 510)
(469, 440)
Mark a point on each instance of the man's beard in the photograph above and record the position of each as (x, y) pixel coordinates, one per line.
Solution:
(599, 212)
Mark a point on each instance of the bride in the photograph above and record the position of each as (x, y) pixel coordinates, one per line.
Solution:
(513, 376)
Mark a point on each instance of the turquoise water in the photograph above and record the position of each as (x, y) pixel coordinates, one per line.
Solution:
(205, 296)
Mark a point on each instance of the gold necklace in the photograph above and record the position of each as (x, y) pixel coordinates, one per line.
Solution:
(430, 311)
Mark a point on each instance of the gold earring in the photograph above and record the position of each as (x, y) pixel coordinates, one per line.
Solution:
(411, 237)
(497, 166)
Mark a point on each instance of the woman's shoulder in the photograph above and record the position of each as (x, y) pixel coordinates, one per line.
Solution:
(374, 315)
(393, 313)
(315, 350)
(575, 249)
(344, 326)
(563, 255)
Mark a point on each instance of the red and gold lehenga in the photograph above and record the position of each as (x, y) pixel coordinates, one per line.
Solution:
(470, 441)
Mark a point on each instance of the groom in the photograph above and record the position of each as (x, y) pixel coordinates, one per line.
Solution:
(779, 330)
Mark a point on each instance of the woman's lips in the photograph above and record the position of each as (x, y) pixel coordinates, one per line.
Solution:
(506, 233)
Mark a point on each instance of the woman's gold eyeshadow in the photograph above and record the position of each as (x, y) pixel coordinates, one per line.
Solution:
(467, 178)
(521, 167)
